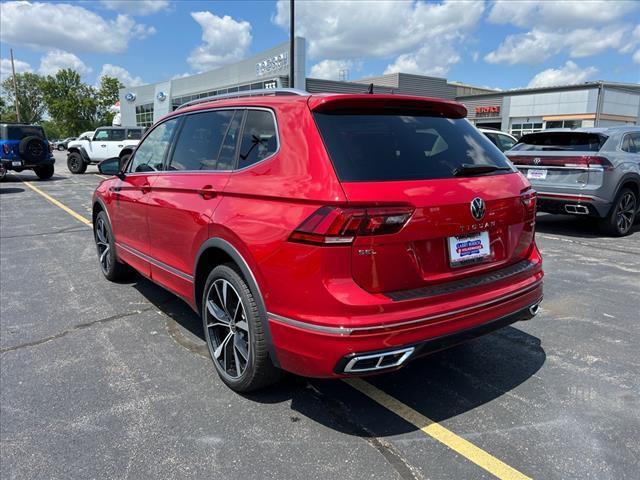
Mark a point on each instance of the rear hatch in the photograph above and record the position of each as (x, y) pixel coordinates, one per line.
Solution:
(561, 159)
(411, 172)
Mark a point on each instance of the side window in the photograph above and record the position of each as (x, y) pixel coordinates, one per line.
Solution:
(494, 139)
(134, 134)
(101, 135)
(117, 135)
(506, 142)
(149, 155)
(631, 143)
(259, 139)
(200, 140)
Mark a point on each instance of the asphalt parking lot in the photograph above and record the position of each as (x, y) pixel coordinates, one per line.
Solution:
(103, 380)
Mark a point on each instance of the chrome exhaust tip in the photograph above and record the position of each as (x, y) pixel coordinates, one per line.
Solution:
(576, 209)
(534, 309)
(378, 361)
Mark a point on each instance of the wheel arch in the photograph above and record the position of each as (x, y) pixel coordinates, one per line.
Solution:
(81, 151)
(217, 251)
(630, 180)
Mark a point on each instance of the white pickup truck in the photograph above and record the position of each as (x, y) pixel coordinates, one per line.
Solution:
(107, 142)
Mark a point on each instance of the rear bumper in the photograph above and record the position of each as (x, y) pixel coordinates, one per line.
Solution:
(21, 164)
(589, 205)
(324, 351)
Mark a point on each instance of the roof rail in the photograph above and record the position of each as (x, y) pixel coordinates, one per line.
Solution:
(247, 93)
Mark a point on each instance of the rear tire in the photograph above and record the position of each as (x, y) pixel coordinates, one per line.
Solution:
(3, 172)
(622, 214)
(60, 148)
(235, 331)
(45, 172)
(111, 268)
(75, 164)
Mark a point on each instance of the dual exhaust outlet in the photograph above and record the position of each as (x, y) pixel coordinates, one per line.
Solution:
(394, 358)
(576, 209)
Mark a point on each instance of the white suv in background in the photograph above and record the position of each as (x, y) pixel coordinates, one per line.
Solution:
(502, 140)
(107, 142)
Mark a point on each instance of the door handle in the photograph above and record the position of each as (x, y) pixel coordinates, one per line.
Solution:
(120, 146)
(207, 192)
(145, 188)
(103, 145)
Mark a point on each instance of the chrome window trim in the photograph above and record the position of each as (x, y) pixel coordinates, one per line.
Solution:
(157, 263)
(349, 330)
(553, 167)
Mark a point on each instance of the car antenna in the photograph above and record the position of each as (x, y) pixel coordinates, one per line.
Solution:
(370, 91)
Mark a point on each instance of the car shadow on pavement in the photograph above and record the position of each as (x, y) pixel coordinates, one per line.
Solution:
(28, 176)
(573, 226)
(11, 190)
(439, 386)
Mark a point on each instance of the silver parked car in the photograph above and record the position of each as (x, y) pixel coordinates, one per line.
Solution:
(587, 171)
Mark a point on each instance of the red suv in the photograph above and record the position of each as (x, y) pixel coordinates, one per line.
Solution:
(326, 235)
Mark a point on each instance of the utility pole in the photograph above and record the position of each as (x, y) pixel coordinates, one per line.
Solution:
(15, 87)
(292, 38)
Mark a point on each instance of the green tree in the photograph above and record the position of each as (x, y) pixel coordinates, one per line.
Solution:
(71, 104)
(108, 95)
(30, 98)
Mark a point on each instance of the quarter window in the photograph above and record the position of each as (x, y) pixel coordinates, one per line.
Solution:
(202, 140)
(631, 143)
(134, 134)
(259, 138)
(150, 153)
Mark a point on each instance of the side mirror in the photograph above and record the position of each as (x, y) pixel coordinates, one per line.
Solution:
(110, 166)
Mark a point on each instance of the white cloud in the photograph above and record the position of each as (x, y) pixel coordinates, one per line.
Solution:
(538, 45)
(636, 56)
(5, 67)
(56, 60)
(556, 15)
(333, 69)
(569, 74)
(346, 29)
(225, 40)
(434, 58)
(137, 7)
(43, 26)
(121, 74)
(579, 29)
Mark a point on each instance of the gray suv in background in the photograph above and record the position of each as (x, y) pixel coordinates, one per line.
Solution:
(587, 171)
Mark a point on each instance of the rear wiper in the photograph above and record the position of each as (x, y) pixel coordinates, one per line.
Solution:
(467, 169)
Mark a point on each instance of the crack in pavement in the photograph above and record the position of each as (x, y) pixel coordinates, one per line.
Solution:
(75, 328)
(72, 229)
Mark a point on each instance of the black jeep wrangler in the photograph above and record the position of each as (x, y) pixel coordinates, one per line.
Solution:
(25, 147)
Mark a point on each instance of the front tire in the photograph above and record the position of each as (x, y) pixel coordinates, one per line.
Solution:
(75, 164)
(622, 215)
(60, 148)
(45, 172)
(235, 331)
(111, 268)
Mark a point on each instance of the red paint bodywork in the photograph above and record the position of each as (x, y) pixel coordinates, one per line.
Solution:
(165, 217)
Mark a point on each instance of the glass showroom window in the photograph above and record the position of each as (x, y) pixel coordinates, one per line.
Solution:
(564, 124)
(519, 129)
(144, 115)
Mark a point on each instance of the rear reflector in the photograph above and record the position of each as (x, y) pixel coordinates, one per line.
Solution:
(528, 197)
(6, 149)
(577, 161)
(339, 226)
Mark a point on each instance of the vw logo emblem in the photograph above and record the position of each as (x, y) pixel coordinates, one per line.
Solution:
(130, 97)
(477, 208)
(537, 160)
(161, 96)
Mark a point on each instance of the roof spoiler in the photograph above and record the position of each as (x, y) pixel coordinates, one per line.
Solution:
(399, 104)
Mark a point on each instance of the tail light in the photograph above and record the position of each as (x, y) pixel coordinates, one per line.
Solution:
(581, 161)
(339, 226)
(528, 198)
(6, 149)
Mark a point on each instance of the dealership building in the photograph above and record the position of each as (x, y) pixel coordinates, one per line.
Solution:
(516, 111)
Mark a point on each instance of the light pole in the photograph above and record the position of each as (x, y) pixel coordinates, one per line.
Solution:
(15, 87)
(292, 37)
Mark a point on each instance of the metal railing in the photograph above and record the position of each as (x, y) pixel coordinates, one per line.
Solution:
(247, 93)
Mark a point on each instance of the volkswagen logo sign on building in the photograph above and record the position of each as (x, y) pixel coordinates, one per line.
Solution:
(161, 96)
(477, 208)
(130, 97)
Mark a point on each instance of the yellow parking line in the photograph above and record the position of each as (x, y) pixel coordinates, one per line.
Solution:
(445, 436)
(465, 448)
(59, 204)
(101, 176)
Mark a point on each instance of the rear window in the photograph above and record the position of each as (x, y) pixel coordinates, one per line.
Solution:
(18, 132)
(561, 141)
(379, 147)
